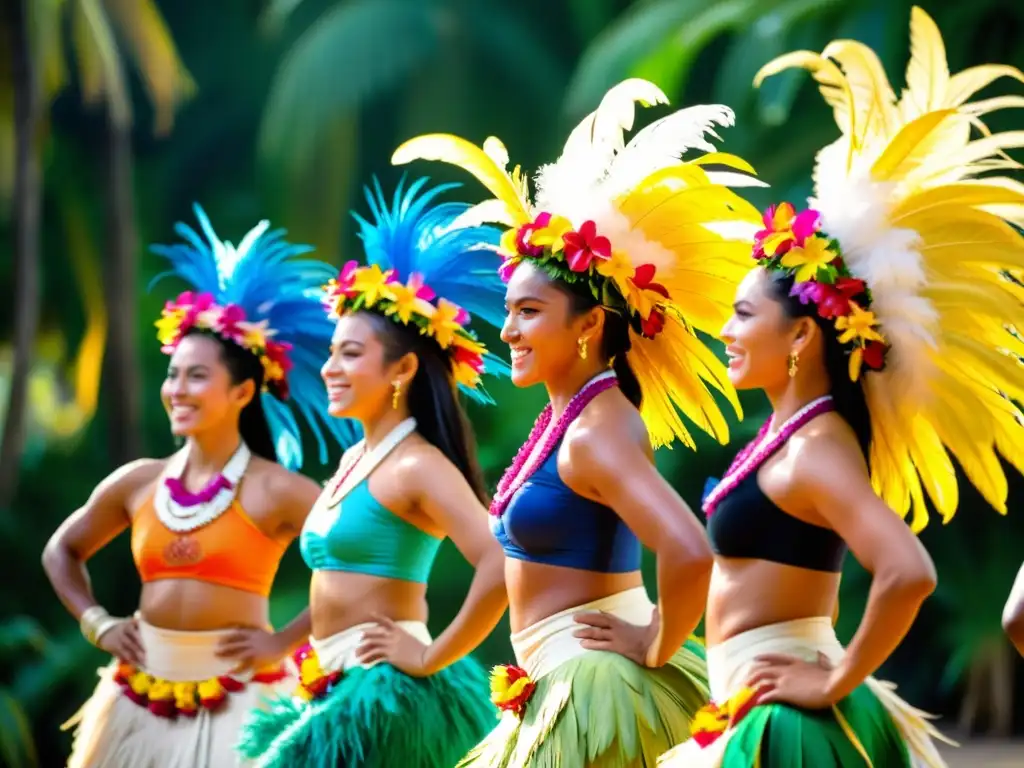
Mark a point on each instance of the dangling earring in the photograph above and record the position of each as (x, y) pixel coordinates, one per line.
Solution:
(794, 359)
(581, 347)
(396, 385)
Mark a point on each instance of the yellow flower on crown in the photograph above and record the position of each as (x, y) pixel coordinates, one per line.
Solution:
(445, 322)
(859, 325)
(807, 260)
(168, 324)
(406, 301)
(373, 284)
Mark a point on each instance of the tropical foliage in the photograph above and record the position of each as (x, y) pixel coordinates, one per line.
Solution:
(283, 109)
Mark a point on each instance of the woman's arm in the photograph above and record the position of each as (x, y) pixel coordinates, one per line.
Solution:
(829, 473)
(1013, 613)
(445, 496)
(90, 528)
(621, 474)
(441, 492)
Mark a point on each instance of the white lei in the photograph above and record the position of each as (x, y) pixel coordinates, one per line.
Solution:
(361, 464)
(182, 519)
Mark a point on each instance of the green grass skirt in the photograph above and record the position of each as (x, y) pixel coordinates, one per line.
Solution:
(376, 718)
(600, 710)
(782, 736)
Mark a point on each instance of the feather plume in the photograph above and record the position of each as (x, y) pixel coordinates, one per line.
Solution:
(413, 234)
(263, 276)
(906, 192)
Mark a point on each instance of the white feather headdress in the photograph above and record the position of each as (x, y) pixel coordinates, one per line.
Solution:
(660, 237)
(903, 191)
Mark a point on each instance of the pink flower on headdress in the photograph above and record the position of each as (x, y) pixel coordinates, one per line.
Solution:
(523, 244)
(345, 278)
(585, 245)
(508, 266)
(421, 289)
(227, 322)
(784, 228)
(468, 357)
(832, 300)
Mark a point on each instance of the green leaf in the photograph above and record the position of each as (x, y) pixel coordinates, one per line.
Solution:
(614, 54)
(669, 63)
(776, 32)
(352, 53)
(16, 743)
(514, 48)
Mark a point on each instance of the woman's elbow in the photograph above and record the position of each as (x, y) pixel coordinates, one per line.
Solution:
(55, 553)
(914, 583)
(691, 556)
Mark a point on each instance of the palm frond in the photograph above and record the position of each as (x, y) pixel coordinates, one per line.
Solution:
(353, 52)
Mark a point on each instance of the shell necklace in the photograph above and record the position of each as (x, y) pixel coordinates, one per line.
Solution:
(180, 510)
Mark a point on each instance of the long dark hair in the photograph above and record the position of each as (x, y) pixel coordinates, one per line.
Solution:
(847, 395)
(615, 342)
(433, 397)
(243, 365)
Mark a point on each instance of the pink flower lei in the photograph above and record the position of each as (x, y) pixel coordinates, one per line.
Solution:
(528, 458)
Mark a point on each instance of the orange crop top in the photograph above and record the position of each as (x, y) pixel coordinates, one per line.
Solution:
(230, 551)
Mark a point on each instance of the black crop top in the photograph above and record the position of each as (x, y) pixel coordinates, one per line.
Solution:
(747, 524)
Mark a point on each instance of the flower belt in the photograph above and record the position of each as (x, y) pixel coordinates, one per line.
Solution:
(171, 698)
(314, 682)
(511, 688)
(713, 720)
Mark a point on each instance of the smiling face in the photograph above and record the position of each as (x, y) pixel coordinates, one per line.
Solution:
(198, 392)
(760, 336)
(359, 378)
(540, 328)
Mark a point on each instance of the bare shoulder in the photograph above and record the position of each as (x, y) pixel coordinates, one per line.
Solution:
(132, 478)
(609, 428)
(418, 461)
(826, 447)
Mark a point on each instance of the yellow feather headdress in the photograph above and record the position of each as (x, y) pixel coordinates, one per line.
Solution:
(904, 194)
(661, 239)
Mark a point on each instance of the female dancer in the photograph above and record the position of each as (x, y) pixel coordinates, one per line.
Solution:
(606, 276)
(209, 524)
(397, 356)
(879, 346)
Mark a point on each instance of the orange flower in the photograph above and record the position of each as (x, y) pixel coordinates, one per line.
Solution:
(713, 720)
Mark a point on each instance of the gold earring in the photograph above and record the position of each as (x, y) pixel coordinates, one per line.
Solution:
(396, 385)
(794, 359)
(581, 347)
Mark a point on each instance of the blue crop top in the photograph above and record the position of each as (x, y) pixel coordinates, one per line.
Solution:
(545, 522)
(361, 535)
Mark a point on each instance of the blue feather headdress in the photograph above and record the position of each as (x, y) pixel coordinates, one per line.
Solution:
(261, 297)
(449, 274)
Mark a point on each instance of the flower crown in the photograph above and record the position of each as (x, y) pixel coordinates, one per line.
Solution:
(198, 310)
(573, 255)
(794, 244)
(410, 303)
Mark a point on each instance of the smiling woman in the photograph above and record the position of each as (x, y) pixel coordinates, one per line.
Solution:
(210, 524)
(376, 689)
(886, 350)
(622, 255)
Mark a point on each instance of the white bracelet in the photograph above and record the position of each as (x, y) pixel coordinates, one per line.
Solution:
(96, 622)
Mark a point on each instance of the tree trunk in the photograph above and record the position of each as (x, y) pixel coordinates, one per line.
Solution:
(27, 205)
(123, 389)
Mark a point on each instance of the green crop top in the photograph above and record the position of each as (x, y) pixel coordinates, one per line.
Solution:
(361, 535)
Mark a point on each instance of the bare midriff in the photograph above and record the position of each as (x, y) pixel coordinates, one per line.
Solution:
(746, 594)
(197, 606)
(537, 591)
(339, 600)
